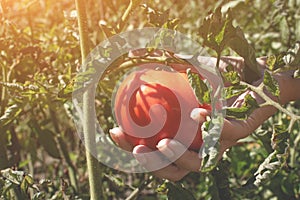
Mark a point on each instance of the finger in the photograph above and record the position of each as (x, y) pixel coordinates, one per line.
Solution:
(171, 172)
(199, 115)
(118, 137)
(158, 164)
(237, 129)
(179, 154)
(262, 61)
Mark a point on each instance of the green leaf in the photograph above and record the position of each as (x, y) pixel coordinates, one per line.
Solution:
(238, 42)
(116, 181)
(39, 196)
(231, 76)
(155, 17)
(200, 89)
(221, 177)
(46, 139)
(235, 90)
(171, 24)
(220, 36)
(275, 61)
(271, 84)
(13, 176)
(218, 33)
(80, 82)
(276, 160)
(24, 186)
(176, 191)
(271, 60)
(279, 139)
(10, 114)
(211, 144)
(29, 179)
(244, 111)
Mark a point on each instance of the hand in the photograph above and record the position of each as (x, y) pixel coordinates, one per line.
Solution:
(233, 130)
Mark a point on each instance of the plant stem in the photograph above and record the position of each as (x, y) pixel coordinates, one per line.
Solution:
(135, 192)
(132, 5)
(270, 102)
(63, 152)
(3, 89)
(3, 155)
(93, 167)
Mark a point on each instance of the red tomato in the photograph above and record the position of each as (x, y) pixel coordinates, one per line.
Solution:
(151, 105)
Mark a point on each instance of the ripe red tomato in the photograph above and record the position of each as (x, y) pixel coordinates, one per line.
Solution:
(151, 105)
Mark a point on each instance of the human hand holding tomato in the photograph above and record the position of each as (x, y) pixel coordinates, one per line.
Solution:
(152, 104)
(233, 130)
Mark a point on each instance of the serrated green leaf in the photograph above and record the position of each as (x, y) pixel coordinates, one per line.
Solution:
(218, 33)
(237, 113)
(271, 84)
(210, 150)
(271, 60)
(279, 138)
(235, 90)
(275, 61)
(200, 89)
(13, 176)
(274, 162)
(231, 77)
(245, 110)
(241, 46)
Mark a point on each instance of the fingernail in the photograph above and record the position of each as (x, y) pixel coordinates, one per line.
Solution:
(198, 114)
(141, 158)
(165, 150)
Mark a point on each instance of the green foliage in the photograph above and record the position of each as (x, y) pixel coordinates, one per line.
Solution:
(242, 112)
(218, 33)
(231, 76)
(200, 88)
(176, 191)
(271, 84)
(41, 156)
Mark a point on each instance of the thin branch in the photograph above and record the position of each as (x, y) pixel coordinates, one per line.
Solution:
(132, 5)
(135, 192)
(270, 102)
